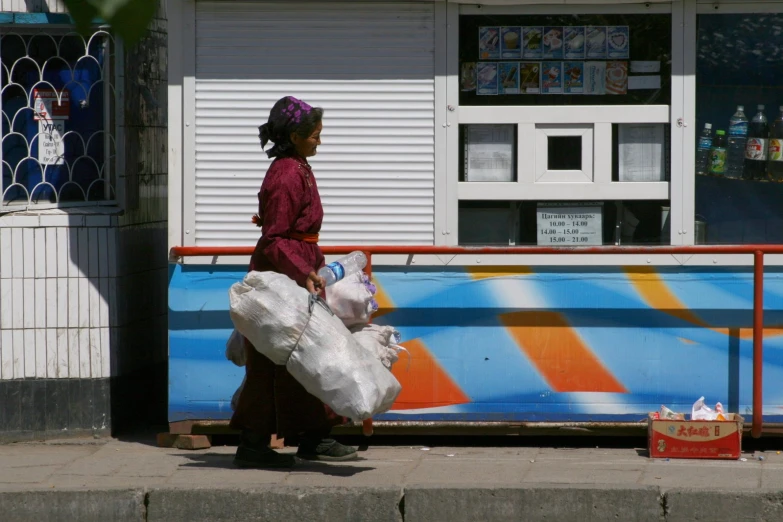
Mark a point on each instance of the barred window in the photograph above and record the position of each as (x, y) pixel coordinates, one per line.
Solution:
(58, 146)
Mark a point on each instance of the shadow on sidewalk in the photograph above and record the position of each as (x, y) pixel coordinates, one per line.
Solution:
(224, 461)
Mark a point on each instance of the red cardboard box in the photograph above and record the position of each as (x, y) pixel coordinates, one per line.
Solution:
(677, 439)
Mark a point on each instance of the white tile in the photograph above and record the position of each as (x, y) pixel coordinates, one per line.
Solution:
(96, 366)
(17, 253)
(29, 352)
(39, 252)
(5, 253)
(73, 353)
(62, 252)
(28, 238)
(40, 353)
(6, 303)
(112, 252)
(6, 355)
(84, 303)
(73, 252)
(51, 303)
(103, 252)
(62, 302)
(17, 312)
(62, 353)
(29, 303)
(95, 302)
(84, 352)
(40, 303)
(51, 352)
(104, 304)
(84, 252)
(93, 250)
(73, 302)
(18, 344)
(51, 252)
(105, 352)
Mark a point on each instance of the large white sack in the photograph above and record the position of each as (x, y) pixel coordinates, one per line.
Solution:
(379, 340)
(235, 348)
(351, 300)
(271, 311)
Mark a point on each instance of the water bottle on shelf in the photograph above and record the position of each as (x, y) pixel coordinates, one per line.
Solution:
(703, 151)
(738, 135)
(776, 149)
(343, 267)
(756, 146)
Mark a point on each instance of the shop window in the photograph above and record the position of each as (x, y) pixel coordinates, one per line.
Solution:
(563, 223)
(565, 59)
(57, 120)
(739, 166)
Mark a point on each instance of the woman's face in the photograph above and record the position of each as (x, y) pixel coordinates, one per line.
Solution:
(306, 147)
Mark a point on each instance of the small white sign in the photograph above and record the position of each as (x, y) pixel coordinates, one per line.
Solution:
(489, 153)
(571, 225)
(49, 104)
(51, 148)
(638, 83)
(641, 153)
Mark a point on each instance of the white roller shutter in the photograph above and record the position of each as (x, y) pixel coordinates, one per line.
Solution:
(370, 66)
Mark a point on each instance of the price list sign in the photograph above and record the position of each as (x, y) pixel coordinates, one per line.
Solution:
(561, 225)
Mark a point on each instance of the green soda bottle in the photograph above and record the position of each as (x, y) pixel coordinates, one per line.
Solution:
(718, 154)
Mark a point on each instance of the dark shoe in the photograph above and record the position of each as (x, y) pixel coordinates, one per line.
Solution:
(328, 450)
(254, 452)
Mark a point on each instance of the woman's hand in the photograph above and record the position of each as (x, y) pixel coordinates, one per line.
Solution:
(315, 283)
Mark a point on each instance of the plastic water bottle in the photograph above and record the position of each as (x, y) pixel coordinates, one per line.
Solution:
(343, 267)
(703, 151)
(738, 137)
(718, 154)
(776, 149)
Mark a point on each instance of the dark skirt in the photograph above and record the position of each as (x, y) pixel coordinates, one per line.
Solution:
(273, 402)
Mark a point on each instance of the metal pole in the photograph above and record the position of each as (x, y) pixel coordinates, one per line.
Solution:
(107, 99)
(758, 339)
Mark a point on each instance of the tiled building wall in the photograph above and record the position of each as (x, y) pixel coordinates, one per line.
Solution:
(83, 308)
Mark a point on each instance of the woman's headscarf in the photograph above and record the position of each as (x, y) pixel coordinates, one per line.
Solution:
(285, 118)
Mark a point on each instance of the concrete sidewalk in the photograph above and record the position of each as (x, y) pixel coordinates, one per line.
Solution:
(118, 481)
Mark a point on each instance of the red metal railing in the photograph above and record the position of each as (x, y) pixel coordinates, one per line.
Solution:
(758, 252)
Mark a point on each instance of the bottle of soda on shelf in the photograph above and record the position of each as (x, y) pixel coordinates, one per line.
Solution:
(703, 150)
(738, 134)
(343, 267)
(776, 149)
(757, 146)
(718, 154)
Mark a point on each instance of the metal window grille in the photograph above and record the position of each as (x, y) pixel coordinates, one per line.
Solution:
(58, 120)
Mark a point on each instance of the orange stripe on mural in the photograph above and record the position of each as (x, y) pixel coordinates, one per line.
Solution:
(559, 354)
(654, 291)
(425, 384)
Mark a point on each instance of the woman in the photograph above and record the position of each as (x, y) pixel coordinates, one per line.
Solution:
(290, 214)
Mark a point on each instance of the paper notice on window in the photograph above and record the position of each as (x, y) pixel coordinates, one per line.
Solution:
(641, 152)
(489, 153)
(640, 83)
(645, 67)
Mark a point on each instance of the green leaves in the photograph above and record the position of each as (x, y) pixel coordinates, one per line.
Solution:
(129, 19)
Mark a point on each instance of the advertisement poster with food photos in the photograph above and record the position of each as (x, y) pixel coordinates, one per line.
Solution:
(467, 77)
(616, 77)
(530, 77)
(595, 78)
(618, 42)
(595, 42)
(552, 78)
(574, 77)
(489, 43)
(487, 74)
(532, 43)
(553, 43)
(508, 72)
(574, 41)
(511, 43)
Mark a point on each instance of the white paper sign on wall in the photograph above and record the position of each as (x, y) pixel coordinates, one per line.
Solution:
(569, 224)
(51, 147)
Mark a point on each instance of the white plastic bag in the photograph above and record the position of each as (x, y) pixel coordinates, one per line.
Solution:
(235, 349)
(381, 341)
(352, 299)
(275, 315)
(702, 412)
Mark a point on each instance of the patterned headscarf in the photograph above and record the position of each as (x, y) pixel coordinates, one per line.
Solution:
(285, 118)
